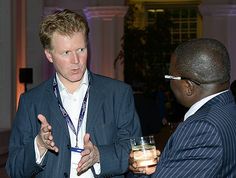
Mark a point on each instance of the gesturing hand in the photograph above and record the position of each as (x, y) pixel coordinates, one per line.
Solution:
(44, 138)
(89, 156)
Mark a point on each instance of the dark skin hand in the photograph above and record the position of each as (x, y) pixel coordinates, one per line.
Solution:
(89, 156)
(142, 170)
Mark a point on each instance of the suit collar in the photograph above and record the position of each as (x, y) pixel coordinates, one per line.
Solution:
(52, 103)
(199, 104)
(96, 99)
(218, 102)
(222, 99)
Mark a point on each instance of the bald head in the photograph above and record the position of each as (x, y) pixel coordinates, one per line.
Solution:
(204, 60)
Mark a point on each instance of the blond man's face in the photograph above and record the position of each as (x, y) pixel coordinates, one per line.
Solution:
(69, 56)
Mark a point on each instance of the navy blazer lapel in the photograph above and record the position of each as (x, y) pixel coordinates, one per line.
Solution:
(95, 103)
(218, 101)
(54, 108)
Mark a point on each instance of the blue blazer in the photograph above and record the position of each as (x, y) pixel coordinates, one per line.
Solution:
(111, 121)
(204, 145)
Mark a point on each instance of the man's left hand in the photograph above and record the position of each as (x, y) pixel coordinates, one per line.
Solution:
(89, 156)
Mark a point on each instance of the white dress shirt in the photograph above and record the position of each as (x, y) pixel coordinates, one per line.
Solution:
(72, 103)
(199, 104)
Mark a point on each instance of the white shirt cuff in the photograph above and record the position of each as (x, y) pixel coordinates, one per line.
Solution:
(37, 154)
(97, 168)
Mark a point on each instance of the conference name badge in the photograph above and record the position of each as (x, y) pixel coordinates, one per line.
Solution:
(75, 156)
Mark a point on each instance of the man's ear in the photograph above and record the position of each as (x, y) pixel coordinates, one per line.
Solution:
(189, 88)
(48, 55)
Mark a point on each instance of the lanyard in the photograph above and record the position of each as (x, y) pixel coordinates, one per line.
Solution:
(65, 114)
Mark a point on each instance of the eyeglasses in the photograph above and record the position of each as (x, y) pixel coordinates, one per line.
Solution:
(171, 77)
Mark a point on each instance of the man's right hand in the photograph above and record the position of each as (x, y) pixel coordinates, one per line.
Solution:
(133, 166)
(44, 138)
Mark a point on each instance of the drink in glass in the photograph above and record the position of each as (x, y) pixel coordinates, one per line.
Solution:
(144, 151)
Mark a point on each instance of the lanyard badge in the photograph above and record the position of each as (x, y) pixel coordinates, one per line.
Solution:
(67, 117)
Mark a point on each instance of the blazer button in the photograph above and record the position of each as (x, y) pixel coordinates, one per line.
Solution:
(68, 146)
(65, 174)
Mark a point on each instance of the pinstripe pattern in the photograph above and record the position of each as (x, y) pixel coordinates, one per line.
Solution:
(204, 145)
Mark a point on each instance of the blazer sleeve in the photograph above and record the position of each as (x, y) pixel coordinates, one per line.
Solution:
(21, 160)
(114, 156)
(193, 151)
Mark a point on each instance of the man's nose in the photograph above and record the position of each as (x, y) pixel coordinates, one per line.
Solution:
(75, 58)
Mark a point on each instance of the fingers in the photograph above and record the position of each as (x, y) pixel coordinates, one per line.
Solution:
(45, 138)
(89, 156)
(85, 161)
(42, 119)
(142, 170)
(149, 170)
(86, 139)
(44, 123)
(158, 153)
(55, 148)
(131, 155)
(137, 170)
(84, 164)
(134, 166)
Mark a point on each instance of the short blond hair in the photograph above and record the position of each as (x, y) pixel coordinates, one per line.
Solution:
(64, 22)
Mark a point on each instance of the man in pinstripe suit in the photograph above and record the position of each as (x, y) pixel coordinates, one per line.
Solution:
(204, 145)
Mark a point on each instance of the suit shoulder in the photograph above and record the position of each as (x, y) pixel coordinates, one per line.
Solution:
(38, 90)
(108, 82)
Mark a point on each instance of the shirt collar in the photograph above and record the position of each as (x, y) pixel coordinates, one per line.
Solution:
(199, 104)
(84, 80)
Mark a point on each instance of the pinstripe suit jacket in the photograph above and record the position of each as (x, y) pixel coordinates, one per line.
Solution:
(204, 145)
